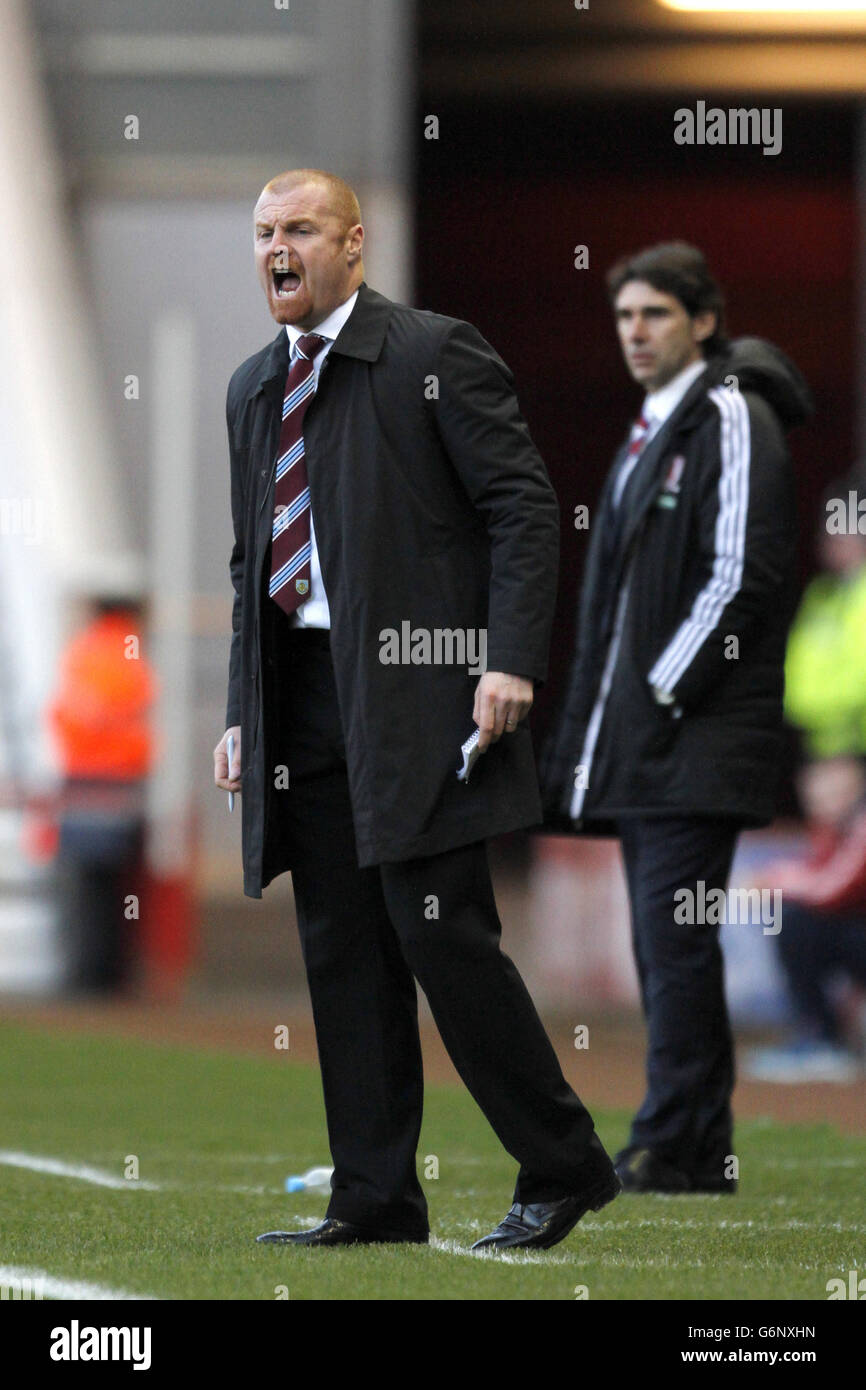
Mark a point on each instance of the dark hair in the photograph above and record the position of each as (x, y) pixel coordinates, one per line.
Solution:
(103, 604)
(675, 267)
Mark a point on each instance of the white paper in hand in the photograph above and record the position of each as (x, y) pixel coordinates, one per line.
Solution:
(470, 753)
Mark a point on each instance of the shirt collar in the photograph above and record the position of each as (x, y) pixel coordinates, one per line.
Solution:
(661, 404)
(328, 328)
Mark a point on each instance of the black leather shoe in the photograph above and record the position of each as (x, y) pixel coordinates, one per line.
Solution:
(711, 1184)
(333, 1232)
(641, 1170)
(713, 1181)
(539, 1225)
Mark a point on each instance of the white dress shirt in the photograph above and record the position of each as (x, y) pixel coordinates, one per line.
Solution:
(315, 612)
(658, 406)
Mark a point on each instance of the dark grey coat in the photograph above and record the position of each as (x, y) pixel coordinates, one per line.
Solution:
(431, 506)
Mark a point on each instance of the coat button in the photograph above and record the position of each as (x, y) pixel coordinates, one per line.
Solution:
(264, 471)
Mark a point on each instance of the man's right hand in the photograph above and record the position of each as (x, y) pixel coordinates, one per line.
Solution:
(225, 777)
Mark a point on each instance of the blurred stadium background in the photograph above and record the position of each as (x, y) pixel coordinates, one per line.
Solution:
(133, 143)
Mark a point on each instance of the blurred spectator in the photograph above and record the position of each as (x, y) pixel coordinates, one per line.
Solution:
(825, 665)
(100, 721)
(823, 934)
(823, 926)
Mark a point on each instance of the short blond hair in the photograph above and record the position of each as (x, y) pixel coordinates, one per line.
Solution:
(344, 201)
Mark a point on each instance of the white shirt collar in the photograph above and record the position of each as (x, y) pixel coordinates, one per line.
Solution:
(328, 328)
(660, 404)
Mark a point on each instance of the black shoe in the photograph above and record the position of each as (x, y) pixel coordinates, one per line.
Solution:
(641, 1170)
(711, 1182)
(332, 1232)
(542, 1224)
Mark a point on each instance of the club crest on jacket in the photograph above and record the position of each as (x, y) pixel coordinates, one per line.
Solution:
(670, 489)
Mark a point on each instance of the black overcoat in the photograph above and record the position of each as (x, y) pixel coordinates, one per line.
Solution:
(432, 507)
(692, 590)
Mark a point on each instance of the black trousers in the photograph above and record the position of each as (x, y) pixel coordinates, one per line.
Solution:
(685, 1116)
(814, 948)
(101, 844)
(367, 935)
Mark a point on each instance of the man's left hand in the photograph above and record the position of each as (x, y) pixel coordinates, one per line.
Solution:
(501, 701)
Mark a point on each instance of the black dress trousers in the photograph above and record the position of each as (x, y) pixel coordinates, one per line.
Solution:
(686, 1114)
(366, 936)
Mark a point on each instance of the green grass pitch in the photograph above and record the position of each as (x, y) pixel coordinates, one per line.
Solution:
(217, 1134)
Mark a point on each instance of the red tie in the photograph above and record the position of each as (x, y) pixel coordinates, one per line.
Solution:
(291, 546)
(638, 435)
(639, 431)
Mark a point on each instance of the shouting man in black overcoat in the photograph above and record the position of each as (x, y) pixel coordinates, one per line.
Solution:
(396, 537)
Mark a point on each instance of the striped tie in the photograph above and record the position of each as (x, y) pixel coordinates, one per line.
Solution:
(639, 431)
(291, 546)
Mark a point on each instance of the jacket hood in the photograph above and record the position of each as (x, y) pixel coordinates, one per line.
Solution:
(761, 367)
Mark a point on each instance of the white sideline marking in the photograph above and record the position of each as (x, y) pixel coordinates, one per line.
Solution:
(670, 1262)
(83, 1171)
(764, 1227)
(68, 1289)
(244, 1189)
(581, 1257)
(308, 1222)
(810, 1163)
(508, 1257)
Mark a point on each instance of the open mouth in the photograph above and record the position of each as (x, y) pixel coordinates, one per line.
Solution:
(286, 283)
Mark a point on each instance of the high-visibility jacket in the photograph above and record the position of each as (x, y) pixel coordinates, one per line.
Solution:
(99, 716)
(825, 666)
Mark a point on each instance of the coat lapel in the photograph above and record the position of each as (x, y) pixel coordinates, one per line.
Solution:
(646, 483)
(363, 333)
(361, 337)
(274, 368)
(271, 385)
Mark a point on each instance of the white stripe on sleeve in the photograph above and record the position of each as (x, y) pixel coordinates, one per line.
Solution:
(730, 543)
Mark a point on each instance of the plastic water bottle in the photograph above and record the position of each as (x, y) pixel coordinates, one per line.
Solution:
(314, 1180)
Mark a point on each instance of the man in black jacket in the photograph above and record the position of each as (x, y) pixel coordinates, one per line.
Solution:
(422, 517)
(670, 734)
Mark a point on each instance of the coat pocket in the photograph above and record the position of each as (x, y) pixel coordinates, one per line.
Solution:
(664, 726)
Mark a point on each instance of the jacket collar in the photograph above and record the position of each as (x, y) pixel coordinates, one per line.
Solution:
(275, 366)
(649, 461)
(361, 336)
(363, 333)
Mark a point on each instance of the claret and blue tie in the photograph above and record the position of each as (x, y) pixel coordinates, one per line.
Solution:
(291, 545)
